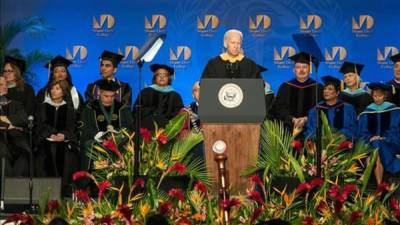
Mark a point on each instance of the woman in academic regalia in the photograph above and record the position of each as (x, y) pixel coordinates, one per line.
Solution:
(58, 70)
(55, 135)
(353, 93)
(18, 89)
(159, 102)
(341, 116)
(379, 126)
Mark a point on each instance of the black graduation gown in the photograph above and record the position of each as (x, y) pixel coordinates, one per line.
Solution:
(157, 107)
(123, 94)
(269, 102)
(394, 97)
(26, 97)
(295, 99)
(218, 68)
(14, 145)
(360, 101)
(56, 158)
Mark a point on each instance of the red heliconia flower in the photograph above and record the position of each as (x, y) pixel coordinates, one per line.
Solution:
(184, 221)
(52, 205)
(307, 220)
(165, 207)
(338, 206)
(334, 191)
(397, 214)
(139, 182)
(178, 167)
(296, 144)
(316, 182)
(394, 203)
(255, 179)
(80, 174)
(234, 202)
(200, 186)
(102, 188)
(110, 144)
(256, 196)
(105, 220)
(348, 188)
(82, 195)
(162, 138)
(229, 203)
(257, 212)
(176, 193)
(345, 145)
(382, 188)
(354, 217)
(145, 133)
(125, 211)
(22, 218)
(303, 186)
(321, 207)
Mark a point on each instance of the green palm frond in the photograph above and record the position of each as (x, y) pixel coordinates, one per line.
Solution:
(175, 125)
(183, 146)
(196, 170)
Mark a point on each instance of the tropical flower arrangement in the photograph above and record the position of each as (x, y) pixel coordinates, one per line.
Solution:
(342, 195)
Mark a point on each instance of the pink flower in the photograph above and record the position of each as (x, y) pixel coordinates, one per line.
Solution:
(255, 179)
(165, 207)
(296, 144)
(177, 193)
(82, 195)
(145, 133)
(139, 182)
(256, 196)
(162, 138)
(52, 205)
(80, 174)
(102, 188)
(354, 217)
(110, 144)
(345, 145)
(200, 187)
(178, 167)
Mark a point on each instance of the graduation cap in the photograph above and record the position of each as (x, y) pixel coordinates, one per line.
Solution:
(329, 80)
(379, 86)
(304, 57)
(155, 67)
(107, 85)
(395, 58)
(58, 61)
(350, 67)
(308, 47)
(20, 63)
(113, 57)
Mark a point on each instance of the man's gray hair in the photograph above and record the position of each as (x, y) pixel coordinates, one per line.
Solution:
(232, 31)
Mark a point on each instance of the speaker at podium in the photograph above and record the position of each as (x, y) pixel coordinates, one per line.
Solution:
(232, 110)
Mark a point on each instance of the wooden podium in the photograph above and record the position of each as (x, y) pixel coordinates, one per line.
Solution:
(232, 110)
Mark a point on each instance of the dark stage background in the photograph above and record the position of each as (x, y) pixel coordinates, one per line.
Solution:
(356, 30)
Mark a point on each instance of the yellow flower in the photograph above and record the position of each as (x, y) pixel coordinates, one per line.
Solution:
(161, 165)
(144, 209)
(199, 217)
(101, 164)
(88, 211)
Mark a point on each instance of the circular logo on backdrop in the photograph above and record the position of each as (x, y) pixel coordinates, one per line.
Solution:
(230, 95)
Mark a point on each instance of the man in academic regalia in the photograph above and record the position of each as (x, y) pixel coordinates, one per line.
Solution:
(159, 102)
(233, 63)
(395, 83)
(108, 67)
(105, 114)
(14, 145)
(295, 97)
(354, 94)
(341, 116)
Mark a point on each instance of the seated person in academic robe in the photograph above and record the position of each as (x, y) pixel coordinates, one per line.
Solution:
(232, 63)
(102, 116)
(58, 70)
(379, 126)
(395, 83)
(297, 96)
(341, 116)
(354, 94)
(159, 102)
(56, 141)
(108, 68)
(18, 89)
(14, 146)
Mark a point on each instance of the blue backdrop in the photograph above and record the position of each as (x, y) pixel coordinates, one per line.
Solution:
(361, 31)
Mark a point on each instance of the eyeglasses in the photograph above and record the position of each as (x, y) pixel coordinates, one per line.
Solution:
(162, 74)
(8, 71)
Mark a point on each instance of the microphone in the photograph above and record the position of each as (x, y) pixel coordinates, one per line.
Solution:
(219, 147)
(30, 122)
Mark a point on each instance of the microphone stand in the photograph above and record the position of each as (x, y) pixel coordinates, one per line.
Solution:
(318, 127)
(138, 116)
(3, 166)
(30, 127)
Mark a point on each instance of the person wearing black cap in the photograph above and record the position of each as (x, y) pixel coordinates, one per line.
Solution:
(108, 67)
(159, 102)
(103, 115)
(14, 145)
(18, 89)
(353, 93)
(55, 139)
(395, 83)
(341, 116)
(233, 63)
(379, 125)
(268, 93)
(297, 96)
(58, 70)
